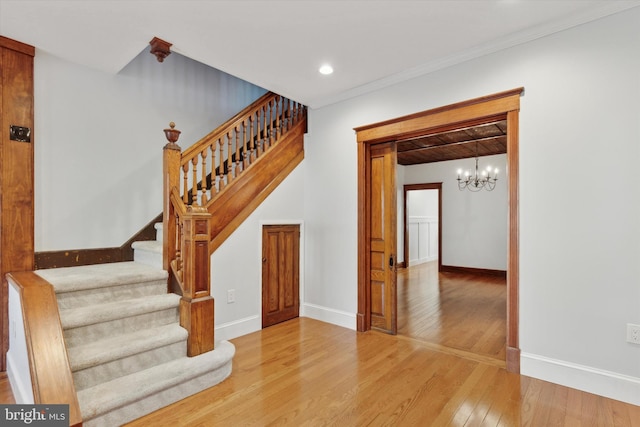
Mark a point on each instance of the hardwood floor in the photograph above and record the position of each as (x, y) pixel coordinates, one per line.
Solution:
(466, 312)
(6, 395)
(308, 373)
(441, 372)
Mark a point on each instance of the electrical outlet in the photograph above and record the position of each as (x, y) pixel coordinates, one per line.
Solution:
(633, 333)
(231, 296)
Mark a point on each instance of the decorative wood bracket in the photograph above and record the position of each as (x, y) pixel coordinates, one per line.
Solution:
(160, 48)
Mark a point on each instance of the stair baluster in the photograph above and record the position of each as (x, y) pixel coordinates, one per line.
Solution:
(221, 168)
(204, 186)
(190, 235)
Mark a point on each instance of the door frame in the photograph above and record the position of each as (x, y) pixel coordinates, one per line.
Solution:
(417, 187)
(473, 112)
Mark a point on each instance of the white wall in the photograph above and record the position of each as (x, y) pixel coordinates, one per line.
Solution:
(422, 232)
(99, 139)
(474, 225)
(237, 263)
(579, 209)
(18, 369)
(423, 202)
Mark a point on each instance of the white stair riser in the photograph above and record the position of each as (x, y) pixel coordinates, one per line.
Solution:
(91, 333)
(149, 258)
(109, 294)
(158, 400)
(104, 372)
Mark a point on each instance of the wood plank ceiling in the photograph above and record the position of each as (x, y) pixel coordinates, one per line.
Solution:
(490, 138)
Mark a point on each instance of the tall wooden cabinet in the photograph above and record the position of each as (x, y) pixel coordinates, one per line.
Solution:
(16, 169)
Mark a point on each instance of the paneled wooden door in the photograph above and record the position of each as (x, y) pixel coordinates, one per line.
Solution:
(382, 237)
(280, 273)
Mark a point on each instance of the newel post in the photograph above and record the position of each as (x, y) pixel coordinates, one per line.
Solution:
(170, 179)
(197, 304)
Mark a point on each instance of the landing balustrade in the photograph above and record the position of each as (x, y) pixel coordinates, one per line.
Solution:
(194, 179)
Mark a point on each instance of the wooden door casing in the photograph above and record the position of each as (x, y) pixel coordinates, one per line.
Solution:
(503, 105)
(280, 273)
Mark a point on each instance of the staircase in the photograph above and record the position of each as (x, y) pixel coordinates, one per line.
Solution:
(139, 335)
(126, 348)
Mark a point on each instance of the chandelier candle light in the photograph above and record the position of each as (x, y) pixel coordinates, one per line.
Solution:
(478, 181)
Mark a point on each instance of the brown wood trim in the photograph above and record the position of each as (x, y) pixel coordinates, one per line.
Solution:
(51, 376)
(423, 123)
(513, 245)
(364, 291)
(449, 117)
(426, 186)
(446, 108)
(245, 193)
(16, 171)
(513, 359)
(8, 43)
(77, 257)
(472, 270)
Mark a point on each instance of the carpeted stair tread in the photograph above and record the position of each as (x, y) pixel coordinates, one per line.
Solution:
(148, 245)
(69, 279)
(121, 346)
(90, 315)
(119, 392)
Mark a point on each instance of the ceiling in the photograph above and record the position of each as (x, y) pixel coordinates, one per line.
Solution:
(279, 45)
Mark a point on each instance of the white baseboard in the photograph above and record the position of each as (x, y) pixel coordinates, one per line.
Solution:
(22, 392)
(597, 381)
(422, 260)
(238, 328)
(329, 315)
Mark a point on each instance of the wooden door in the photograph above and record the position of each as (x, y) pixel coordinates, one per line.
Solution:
(280, 273)
(16, 170)
(382, 237)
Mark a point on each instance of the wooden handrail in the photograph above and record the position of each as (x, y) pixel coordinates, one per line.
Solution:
(194, 179)
(233, 122)
(51, 376)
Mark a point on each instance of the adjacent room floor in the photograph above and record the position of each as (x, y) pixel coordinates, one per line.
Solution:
(466, 312)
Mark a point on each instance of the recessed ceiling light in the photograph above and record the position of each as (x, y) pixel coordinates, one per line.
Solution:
(326, 69)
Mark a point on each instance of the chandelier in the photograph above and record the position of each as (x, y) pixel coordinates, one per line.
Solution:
(477, 181)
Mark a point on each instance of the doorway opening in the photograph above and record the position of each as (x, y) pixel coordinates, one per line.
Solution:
(422, 224)
(502, 106)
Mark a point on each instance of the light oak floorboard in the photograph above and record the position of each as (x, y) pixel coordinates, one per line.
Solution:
(6, 395)
(308, 373)
(465, 312)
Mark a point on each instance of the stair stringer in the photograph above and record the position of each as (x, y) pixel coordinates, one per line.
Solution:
(244, 194)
